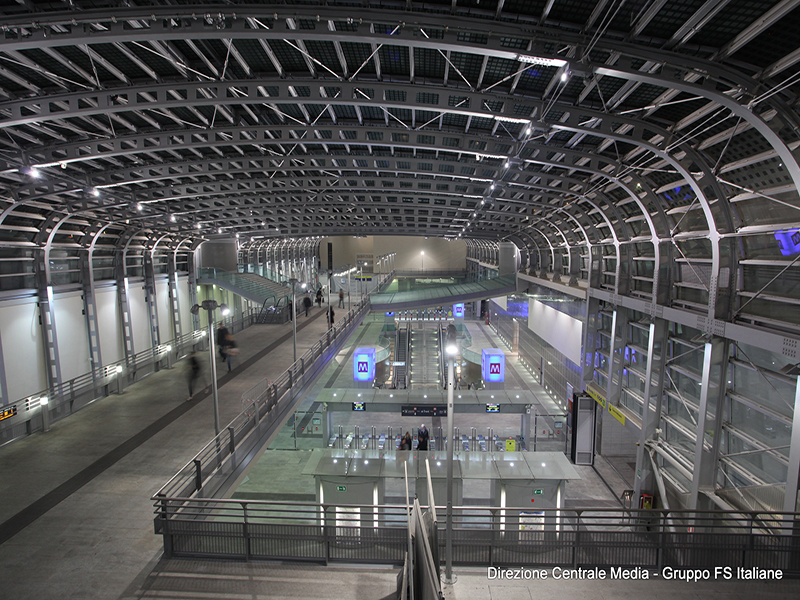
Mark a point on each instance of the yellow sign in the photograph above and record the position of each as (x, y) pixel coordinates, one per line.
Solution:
(597, 397)
(616, 414)
(511, 446)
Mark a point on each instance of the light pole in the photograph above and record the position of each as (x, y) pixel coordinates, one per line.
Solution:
(361, 281)
(211, 306)
(450, 349)
(293, 313)
(330, 278)
(422, 255)
(349, 268)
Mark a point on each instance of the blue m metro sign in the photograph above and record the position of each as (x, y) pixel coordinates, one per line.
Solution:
(364, 364)
(494, 368)
(363, 367)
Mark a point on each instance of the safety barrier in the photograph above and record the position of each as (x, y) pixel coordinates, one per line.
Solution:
(64, 399)
(264, 406)
(635, 540)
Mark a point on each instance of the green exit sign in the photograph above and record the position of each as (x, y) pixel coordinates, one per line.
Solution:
(538, 492)
(341, 488)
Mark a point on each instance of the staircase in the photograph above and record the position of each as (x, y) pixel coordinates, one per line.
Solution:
(273, 297)
(425, 358)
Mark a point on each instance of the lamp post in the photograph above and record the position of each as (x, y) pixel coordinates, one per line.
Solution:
(330, 279)
(293, 313)
(211, 306)
(349, 268)
(422, 255)
(361, 281)
(450, 349)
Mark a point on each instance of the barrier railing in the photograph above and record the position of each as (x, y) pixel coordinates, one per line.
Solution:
(264, 405)
(70, 396)
(638, 540)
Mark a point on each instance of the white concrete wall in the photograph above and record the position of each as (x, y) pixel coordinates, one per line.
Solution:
(140, 322)
(73, 338)
(23, 351)
(558, 329)
(165, 328)
(185, 303)
(439, 253)
(109, 325)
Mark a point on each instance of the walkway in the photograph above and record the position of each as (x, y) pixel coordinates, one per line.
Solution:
(75, 513)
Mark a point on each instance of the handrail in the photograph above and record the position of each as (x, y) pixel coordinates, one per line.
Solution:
(66, 398)
(204, 471)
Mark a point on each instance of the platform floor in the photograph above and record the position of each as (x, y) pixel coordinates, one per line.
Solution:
(76, 521)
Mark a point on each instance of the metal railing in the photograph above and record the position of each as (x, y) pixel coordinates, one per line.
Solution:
(483, 536)
(70, 396)
(264, 405)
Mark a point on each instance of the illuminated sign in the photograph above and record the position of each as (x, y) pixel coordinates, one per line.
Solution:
(788, 241)
(8, 411)
(364, 364)
(359, 406)
(423, 411)
(493, 408)
(493, 365)
(458, 310)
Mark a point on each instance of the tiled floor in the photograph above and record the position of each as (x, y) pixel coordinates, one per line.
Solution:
(81, 496)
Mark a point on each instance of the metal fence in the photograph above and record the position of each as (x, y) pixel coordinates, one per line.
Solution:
(64, 399)
(264, 405)
(483, 536)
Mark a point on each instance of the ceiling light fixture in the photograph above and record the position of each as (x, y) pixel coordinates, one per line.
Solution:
(541, 61)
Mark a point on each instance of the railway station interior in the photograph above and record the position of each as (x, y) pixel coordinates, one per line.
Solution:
(383, 299)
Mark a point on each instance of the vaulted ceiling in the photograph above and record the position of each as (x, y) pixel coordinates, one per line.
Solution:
(581, 121)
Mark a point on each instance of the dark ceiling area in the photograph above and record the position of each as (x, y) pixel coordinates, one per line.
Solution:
(578, 122)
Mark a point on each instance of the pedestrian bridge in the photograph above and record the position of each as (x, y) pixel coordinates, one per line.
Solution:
(445, 294)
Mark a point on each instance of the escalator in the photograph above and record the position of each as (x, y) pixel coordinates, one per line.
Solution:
(401, 351)
(425, 358)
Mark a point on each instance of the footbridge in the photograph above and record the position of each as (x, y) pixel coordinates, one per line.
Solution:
(445, 294)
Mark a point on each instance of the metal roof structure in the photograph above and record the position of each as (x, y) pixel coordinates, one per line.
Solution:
(629, 133)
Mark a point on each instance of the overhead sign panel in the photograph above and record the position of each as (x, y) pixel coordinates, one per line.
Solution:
(364, 364)
(493, 365)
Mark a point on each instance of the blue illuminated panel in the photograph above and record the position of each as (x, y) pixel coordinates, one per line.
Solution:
(364, 364)
(493, 365)
(788, 241)
(458, 310)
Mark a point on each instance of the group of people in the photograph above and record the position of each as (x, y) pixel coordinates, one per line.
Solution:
(406, 443)
(330, 314)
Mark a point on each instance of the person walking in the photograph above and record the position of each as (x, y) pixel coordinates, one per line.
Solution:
(231, 349)
(405, 442)
(422, 437)
(319, 297)
(307, 303)
(194, 372)
(341, 298)
(331, 316)
(222, 335)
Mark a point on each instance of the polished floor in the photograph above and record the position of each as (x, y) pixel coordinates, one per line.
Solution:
(76, 521)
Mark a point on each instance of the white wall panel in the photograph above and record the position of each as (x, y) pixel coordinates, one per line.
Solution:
(165, 328)
(185, 303)
(109, 324)
(23, 351)
(556, 328)
(140, 323)
(73, 339)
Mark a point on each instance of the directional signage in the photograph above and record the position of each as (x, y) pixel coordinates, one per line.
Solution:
(458, 310)
(423, 411)
(364, 364)
(341, 488)
(538, 492)
(493, 365)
